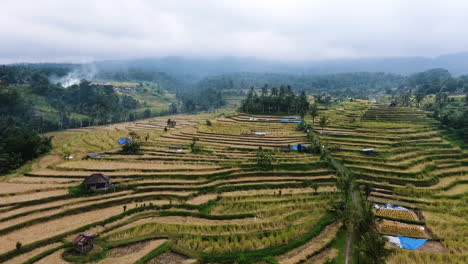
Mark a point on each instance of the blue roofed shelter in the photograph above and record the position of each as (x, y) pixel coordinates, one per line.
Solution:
(122, 141)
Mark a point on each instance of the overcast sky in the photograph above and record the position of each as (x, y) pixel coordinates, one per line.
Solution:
(84, 30)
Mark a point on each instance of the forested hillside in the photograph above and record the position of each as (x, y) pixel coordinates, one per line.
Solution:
(33, 101)
(440, 93)
(345, 84)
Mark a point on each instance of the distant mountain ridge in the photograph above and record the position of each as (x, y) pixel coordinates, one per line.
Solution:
(457, 64)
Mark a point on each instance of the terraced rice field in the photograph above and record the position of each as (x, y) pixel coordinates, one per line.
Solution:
(203, 205)
(216, 205)
(413, 166)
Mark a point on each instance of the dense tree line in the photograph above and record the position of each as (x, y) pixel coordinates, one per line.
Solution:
(31, 104)
(451, 112)
(435, 81)
(19, 144)
(274, 101)
(434, 91)
(78, 105)
(162, 79)
(359, 85)
(201, 99)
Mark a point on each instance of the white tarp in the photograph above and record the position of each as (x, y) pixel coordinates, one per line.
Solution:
(260, 133)
(390, 207)
(368, 150)
(394, 240)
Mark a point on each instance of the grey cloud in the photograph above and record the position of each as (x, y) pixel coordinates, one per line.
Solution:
(293, 30)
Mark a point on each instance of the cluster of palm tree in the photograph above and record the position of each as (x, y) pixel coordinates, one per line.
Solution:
(274, 101)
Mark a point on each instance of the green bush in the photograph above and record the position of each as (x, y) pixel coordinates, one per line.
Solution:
(264, 159)
(132, 147)
(79, 191)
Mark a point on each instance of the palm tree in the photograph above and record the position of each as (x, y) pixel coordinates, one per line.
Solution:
(315, 187)
(323, 122)
(314, 112)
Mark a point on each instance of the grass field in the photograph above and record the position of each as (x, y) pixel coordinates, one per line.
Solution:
(216, 205)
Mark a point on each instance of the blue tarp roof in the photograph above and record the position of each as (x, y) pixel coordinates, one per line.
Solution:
(122, 141)
(411, 243)
(293, 117)
(297, 122)
(284, 120)
(296, 146)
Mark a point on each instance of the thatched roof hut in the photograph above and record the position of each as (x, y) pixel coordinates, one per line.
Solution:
(83, 242)
(97, 182)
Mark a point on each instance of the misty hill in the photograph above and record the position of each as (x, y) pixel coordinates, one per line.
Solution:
(457, 64)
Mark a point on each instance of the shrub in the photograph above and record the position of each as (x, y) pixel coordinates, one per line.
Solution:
(18, 245)
(78, 191)
(264, 159)
(132, 147)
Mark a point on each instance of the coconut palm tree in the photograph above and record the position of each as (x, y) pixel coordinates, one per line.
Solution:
(323, 122)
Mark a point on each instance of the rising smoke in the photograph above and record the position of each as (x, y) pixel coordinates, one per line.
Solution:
(85, 71)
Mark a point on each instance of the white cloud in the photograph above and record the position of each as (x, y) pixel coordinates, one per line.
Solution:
(76, 30)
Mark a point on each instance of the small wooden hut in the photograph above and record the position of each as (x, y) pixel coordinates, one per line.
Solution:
(83, 242)
(97, 182)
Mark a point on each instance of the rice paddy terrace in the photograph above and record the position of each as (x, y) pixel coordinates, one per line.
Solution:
(216, 205)
(207, 205)
(412, 166)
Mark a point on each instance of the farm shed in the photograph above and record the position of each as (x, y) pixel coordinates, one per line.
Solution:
(93, 155)
(83, 242)
(285, 148)
(175, 147)
(97, 182)
(298, 147)
(123, 141)
(368, 150)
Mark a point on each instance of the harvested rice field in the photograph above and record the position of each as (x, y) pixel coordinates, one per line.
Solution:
(199, 192)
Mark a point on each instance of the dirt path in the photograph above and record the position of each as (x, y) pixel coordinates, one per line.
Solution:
(351, 234)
